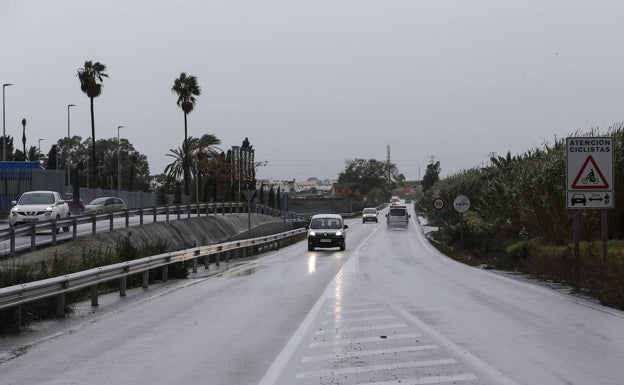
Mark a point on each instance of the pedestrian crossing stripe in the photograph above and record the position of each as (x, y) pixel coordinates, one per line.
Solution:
(590, 176)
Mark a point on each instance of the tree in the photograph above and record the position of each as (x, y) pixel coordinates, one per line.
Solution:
(366, 177)
(186, 88)
(91, 76)
(432, 176)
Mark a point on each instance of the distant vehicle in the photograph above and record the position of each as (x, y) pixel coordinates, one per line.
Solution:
(408, 200)
(34, 206)
(326, 230)
(397, 217)
(74, 207)
(369, 214)
(579, 199)
(104, 205)
(395, 200)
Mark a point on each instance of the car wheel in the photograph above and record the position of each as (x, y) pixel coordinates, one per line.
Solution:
(58, 229)
(310, 248)
(342, 246)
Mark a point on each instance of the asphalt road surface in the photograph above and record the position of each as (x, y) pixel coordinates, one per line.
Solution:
(388, 310)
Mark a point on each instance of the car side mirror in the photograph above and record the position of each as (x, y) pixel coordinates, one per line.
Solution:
(13, 203)
(345, 226)
(307, 227)
(386, 215)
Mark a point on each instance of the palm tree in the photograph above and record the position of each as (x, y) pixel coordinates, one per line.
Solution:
(186, 88)
(91, 77)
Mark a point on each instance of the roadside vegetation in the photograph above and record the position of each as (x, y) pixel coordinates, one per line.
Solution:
(518, 219)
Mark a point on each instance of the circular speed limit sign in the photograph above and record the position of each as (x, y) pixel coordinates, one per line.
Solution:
(438, 203)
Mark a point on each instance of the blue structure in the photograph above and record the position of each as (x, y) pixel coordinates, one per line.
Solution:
(15, 178)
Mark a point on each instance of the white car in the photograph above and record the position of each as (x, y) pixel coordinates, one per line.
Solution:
(34, 206)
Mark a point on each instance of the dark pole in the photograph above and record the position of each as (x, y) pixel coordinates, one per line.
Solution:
(24, 137)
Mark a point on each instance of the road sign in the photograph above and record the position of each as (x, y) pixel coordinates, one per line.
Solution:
(461, 203)
(438, 203)
(589, 172)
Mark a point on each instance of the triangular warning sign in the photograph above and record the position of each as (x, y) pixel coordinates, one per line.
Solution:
(590, 177)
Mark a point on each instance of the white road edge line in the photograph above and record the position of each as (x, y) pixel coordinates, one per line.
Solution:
(429, 380)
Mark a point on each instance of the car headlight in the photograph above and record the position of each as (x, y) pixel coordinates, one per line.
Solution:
(338, 233)
(312, 233)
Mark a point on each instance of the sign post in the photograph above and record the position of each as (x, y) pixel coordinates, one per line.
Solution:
(589, 184)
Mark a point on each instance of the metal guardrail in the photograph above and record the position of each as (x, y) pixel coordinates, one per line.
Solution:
(177, 212)
(58, 286)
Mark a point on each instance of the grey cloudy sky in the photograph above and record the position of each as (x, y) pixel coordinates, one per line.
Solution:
(313, 83)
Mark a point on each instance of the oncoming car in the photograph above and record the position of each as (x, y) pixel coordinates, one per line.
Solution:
(326, 230)
(369, 214)
(34, 206)
(104, 205)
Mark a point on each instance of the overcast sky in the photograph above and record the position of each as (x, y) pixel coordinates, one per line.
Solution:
(314, 83)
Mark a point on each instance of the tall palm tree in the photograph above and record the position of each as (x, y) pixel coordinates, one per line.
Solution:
(91, 76)
(186, 88)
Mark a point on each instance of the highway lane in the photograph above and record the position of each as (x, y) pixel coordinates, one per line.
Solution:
(389, 308)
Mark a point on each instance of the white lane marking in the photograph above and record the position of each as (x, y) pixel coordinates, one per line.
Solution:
(355, 311)
(374, 352)
(361, 328)
(360, 319)
(347, 341)
(371, 368)
(429, 380)
(354, 304)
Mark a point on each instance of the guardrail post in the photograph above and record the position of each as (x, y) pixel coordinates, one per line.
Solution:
(110, 217)
(145, 279)
(218, 259)
(33, 237)
(74, 227)
(167, 213)
(178, 210)
(141, 216)
(188, 210)
(94, 295)
(194, 265)
(93, 222)
(198, 211)
(60, 305)
(123, 283)
(12, 235)
(155, 213)
(53, 227)
(164, 272)
(127, 218)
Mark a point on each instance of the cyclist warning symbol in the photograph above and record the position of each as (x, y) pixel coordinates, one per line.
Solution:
(590, 176)
(589, 172)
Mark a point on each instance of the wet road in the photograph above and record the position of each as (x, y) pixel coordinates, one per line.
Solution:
(388, 310)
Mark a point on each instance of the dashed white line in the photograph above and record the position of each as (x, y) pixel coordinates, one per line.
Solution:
(429, 380)
(347, 341)
(374, 352)
(355, 311)
(361, 328)
(371, 368)
(360, 319)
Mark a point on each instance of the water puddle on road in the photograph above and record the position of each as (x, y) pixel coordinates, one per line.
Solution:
(242, 272)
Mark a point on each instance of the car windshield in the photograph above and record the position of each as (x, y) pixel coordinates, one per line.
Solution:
(37, 199)
(325, 223)
(98, 201)
(370, 211)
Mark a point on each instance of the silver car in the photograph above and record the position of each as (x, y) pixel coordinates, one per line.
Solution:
(34, 206)
(104, 205)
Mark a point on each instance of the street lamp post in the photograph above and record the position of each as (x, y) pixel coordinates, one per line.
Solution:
(118, 162)
(40, 150)
(4, 124)
(68, 147)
